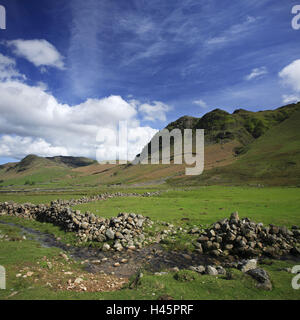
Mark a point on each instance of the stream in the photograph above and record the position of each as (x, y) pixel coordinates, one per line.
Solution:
(152, 258)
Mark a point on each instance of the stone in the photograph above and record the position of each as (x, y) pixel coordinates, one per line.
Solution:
(211, 233)
(198, 245)
(119, 235)
(210, 270)
(110, 234)
(295, 251)
(202, 239)
(247, 265)
(262, 277)
(229, 246)
(118, 246)
(215, 246)
(78, 280)
(217, 226)
(105, 247)
(200, 269)
(187, 256)
(234, 217)
(221, 270)
(215, 253)
(194, 230)
(230, 236)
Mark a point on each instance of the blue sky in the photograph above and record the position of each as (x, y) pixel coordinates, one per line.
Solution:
(165, 59)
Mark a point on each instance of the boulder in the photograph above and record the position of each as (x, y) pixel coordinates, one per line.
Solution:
(212, 271)
(247, 265)
(262, 277)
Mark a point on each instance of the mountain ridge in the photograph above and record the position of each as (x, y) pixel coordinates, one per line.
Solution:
(232, 141)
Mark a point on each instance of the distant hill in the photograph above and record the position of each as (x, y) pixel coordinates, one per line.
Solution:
(72, 162)
(240, 148)
(39, 169)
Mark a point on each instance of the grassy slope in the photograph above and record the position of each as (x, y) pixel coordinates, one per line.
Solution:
(273, 159)
(41, 171)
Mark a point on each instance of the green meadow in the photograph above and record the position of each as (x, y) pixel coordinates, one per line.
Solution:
(206, 205)
(198, 206)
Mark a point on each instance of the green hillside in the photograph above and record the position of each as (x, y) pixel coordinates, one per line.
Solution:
(240, 148)
(273, 158)
(242, 125)
(34, 170)
(220, 127)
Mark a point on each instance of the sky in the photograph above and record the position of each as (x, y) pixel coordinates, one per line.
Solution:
(70, 70)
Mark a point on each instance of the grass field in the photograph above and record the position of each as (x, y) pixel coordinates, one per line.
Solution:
(206, 205)
(201, 205)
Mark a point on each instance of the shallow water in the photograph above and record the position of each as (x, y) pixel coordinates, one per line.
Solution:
(152, 258)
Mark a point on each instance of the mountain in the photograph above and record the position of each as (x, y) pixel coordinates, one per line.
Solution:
(271, 159)
(244, 147)
(227, 135)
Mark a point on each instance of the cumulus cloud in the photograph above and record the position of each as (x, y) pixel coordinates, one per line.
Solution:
(201, 103)
(40, 52)
(16, 147)
(33, 121)
(290, 98)
(290, 75)
(8, 69)
(256, 72)
(155, 111)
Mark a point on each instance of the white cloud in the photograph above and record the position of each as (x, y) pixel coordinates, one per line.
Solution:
(287, 99)
(201, 103)
(290, 75)
(40, 52)
(8, 69)
(256, 72)
(17, 147)
(155, 111)
(33, 121)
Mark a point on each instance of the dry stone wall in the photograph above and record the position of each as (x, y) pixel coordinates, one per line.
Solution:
(245, 238)
(123, 231)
